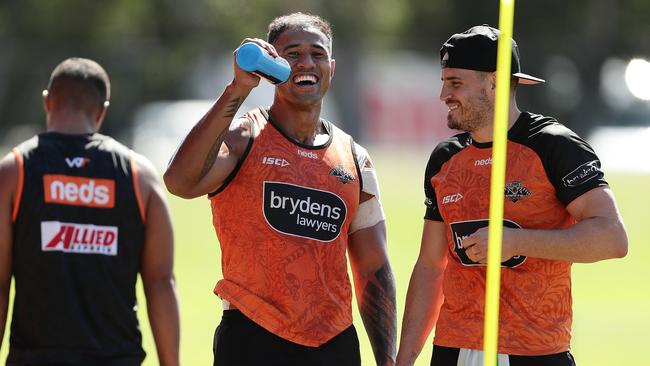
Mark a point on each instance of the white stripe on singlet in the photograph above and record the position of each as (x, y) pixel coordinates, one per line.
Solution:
(474, 357)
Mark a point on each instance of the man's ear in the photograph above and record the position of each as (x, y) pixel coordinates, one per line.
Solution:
(493, 80)
(101, 114)
(332, 67)
(46, 100)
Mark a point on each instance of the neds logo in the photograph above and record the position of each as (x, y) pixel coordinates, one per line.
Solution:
(304, 212)
(79, 191)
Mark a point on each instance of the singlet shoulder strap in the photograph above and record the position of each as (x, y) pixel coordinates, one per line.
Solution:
(253, 122)
(136, 186)
(21, 176)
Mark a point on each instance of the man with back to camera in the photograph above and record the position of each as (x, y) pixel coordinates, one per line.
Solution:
(290, 193)
(81, 216)
(558, 210)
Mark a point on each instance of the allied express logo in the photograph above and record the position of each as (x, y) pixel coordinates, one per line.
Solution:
(304, 212)
(79, 191)
(78, 238)
(462, 229)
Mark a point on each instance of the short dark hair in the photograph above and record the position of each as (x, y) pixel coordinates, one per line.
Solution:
(82, 75)
(300, 21)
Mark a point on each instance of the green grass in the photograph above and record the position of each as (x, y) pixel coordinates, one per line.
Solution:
(611, 298)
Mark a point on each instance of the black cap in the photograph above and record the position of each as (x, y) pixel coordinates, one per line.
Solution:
(476, 49)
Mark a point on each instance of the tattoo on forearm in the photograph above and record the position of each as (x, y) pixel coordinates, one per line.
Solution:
(378, 314)
(213, 153)
(232, 107)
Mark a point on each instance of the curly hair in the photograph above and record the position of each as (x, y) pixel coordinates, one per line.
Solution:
(300, 21)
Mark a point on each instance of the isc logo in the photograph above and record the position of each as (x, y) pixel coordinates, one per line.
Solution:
(274, 161)
(79, 191)
(452, 198)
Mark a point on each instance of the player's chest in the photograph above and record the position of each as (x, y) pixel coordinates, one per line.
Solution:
(463, 186)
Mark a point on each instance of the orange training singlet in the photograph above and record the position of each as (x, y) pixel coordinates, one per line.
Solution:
(548, 166)
(282, 220)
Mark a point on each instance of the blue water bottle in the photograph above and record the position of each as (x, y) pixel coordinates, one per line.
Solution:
(253, 58)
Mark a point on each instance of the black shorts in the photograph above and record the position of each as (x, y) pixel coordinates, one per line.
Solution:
(240, 341)
(446, 356)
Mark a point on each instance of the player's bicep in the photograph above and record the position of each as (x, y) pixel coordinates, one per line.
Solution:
(157, 258)
(219, 170)
(367, 249)
(229, 150)
(433, 247)
(8, 186)
(598, 202)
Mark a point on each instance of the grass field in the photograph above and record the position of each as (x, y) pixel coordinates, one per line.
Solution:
(611, 298)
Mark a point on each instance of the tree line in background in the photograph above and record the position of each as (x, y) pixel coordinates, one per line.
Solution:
(149, 47)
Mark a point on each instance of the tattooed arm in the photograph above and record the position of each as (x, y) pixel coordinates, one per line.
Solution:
(375, 289)
(211, 150)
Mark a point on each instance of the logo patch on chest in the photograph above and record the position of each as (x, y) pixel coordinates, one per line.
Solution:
(343, 175)
(515, 191)
(304, 212)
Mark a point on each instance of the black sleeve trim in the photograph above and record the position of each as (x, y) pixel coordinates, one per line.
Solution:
(440, 155)
(430, 199)
(356, 164)
(571, 164)
(232, 174)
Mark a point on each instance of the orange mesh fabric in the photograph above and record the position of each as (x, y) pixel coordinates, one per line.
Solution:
(535, 308)
(548, 166)
(282, 224)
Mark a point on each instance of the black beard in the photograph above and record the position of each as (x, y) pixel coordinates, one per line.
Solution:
(467, 124)
(475, 118)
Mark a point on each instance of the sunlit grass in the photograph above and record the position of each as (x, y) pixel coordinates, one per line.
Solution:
(611, 298)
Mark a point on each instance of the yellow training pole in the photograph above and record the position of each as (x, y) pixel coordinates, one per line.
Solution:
(497, 183)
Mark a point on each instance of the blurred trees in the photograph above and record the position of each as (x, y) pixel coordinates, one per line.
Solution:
(150, 47)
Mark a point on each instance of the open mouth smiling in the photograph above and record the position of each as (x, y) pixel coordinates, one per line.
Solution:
(305, 79)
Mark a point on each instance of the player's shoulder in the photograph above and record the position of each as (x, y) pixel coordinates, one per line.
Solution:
(8, 163)
(360, 153)
(240, 134)
(242, 127)
(362, 156)
(29, 144)
(144, 165)
(536, 126)
(109, 144)
(9, 171)
(545, 134)
(449, 147)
